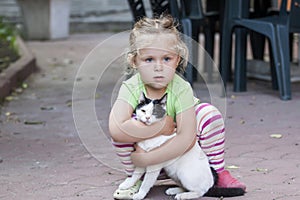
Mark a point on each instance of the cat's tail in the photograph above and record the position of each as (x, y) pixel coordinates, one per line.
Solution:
(223, 192)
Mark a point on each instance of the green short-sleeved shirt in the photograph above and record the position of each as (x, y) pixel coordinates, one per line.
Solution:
(180, 94)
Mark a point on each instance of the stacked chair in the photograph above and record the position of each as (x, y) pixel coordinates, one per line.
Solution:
(276, 28)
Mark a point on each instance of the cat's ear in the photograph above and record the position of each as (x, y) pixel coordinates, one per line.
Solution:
(163, 100)
(142, 97)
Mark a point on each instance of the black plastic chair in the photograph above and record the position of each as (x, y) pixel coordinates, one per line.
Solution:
(171, 7)
(275, 28)
(205, 21)
(193, 10)
(260, 9)
(137, 9)
(233, 9)
(263, 8)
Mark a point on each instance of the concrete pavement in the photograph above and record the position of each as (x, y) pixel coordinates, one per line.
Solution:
(45, 155)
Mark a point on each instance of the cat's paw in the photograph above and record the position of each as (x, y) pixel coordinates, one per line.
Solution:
(174, 190)
(140, 195)
(187, 195)
(126, 184)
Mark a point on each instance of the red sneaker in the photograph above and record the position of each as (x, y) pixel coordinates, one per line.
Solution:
(227, 181)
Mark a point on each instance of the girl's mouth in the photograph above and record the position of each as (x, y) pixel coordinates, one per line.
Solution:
(158, 78)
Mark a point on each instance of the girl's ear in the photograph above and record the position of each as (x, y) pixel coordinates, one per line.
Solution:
(131, 60)
(178, 60)
(133, 65)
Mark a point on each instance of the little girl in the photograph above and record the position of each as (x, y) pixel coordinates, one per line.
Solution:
(157, 52)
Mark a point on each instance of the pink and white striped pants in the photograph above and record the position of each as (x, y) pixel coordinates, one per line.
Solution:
(210, 134)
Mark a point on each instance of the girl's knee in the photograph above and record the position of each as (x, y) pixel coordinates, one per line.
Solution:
(205, 109)
(208, 118)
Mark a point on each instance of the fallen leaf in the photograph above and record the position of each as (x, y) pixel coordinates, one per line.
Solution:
(276, 136)
(69, 103)
(8, 113)
(9, 98)
(97, 96)
(47, 108)
(34, 122)
(24, 85)
(261, 169)
(19, 90)
(232, 167)
(67, 61)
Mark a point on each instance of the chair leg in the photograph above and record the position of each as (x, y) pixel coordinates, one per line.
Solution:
(195, 51)
(291, 41)
(225, 52)
(209, 47)
(187, 31)
(273, 70)
(282, 35)
(240, 77)
(280, 51)
(257, 45)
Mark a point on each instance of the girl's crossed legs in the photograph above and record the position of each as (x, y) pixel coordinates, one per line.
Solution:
(211, 138)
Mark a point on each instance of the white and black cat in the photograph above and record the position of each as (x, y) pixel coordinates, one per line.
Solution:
(190, 171)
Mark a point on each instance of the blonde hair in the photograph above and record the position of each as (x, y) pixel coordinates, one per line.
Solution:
(164, 24)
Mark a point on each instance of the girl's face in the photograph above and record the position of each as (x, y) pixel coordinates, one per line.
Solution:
(157, 63)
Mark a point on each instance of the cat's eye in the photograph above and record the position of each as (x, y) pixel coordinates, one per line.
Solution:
(143, 110)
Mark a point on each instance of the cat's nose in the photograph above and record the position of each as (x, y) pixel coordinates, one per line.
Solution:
(147, 118)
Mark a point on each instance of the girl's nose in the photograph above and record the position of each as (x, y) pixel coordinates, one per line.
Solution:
(158, 66)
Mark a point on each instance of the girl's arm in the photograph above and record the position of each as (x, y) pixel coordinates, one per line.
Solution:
(177, 146)
(125, 129)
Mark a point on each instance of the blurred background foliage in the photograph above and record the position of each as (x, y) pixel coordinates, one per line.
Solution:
(8, 44)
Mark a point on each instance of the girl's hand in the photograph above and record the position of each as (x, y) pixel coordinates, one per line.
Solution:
(138, 149)
(169, 126)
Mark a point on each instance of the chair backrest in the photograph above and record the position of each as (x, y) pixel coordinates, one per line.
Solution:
(236, 9)
(192, 9)
(213, 6)
(159, 7)
(295, 16)
(137, 9)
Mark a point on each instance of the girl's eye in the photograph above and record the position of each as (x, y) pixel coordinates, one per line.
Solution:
(167, 59)
(148, 59)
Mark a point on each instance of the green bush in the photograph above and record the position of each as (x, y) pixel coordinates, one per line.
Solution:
(8, 45)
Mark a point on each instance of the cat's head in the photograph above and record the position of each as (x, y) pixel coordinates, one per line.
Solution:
(150, 111)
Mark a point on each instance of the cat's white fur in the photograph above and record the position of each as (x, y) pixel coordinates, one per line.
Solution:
(191, 170)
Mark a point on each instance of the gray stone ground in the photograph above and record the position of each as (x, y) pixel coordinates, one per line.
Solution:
(43, 155)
